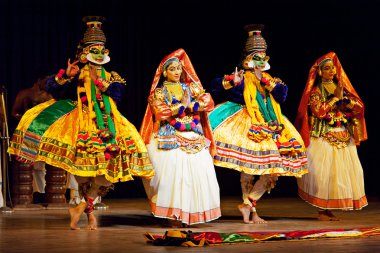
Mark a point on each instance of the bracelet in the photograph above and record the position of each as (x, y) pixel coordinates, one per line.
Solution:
(227, 84)
(268, 84)
(102, 84)
(177, 108)
(61, 81)
(59, 77)
(333, 101)
(351, 104)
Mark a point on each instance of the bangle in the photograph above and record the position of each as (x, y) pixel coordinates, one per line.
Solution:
(227, 84)
(333, 101)
(102, 84)
(351, 104)
(60, 80)
(201, 106)
(177, 108)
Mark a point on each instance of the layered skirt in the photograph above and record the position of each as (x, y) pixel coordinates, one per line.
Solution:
(49, 133)
(184, 187)
(231, 123)
(335, 179)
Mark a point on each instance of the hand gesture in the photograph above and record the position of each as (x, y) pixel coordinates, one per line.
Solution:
(186, 99)
(72, 68)
(238, 76)
(339, 90)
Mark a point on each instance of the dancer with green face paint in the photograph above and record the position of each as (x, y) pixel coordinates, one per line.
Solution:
(251, 134)
(81, 129)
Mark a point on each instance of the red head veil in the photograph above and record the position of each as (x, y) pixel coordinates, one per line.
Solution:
(188, 76)
(302, 122)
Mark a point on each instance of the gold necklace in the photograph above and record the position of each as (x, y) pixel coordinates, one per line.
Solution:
(329, 86)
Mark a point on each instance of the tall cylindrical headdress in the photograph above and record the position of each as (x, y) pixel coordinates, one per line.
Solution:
(94, 33)
(255, 41)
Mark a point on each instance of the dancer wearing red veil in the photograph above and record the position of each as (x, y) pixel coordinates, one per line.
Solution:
(331, 122)
(180, 144)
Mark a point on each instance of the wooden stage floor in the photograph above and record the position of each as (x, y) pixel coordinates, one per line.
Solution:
(122, 225)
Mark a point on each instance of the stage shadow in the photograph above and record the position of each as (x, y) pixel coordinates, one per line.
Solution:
(268, 218)
(151, 221)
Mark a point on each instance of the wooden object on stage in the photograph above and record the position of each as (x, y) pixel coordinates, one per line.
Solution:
(22, 187)
(22, 184)
(55, 188)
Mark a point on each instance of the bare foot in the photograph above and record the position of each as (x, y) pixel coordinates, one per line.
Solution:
(256, 219)
(92, 224)
(75, 213)
(75, 216)
(245, 211)
(327, 215)
(175, 223)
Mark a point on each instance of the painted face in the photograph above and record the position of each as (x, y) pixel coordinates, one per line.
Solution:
(174, 71)
(256, 61)
(259, 60)
(98, 53)
(328, 71)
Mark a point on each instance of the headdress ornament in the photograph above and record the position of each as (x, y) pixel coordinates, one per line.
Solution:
(168, 62)
(255, 41)
(94, 33)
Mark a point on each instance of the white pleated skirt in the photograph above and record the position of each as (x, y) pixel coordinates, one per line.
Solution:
(184, 187)
(335, 179)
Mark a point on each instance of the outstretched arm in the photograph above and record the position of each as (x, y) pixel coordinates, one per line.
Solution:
(228, 87)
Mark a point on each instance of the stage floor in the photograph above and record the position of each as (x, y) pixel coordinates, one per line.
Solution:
(122, 225)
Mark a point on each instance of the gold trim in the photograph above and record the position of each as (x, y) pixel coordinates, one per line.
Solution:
(61, 81)
(351, 104)
(115, 77)
(175, 108)
(332, 101)
(226, 84)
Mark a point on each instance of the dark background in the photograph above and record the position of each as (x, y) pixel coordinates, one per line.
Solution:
(37, 38)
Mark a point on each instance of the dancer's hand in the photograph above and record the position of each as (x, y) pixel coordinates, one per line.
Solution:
(238, 76)
(186, 101)
(72, 68)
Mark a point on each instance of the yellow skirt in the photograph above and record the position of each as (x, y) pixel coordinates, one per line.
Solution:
(236, 151)
(49, 132)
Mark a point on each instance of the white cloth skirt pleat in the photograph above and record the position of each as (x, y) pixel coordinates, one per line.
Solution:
(184, 187)
(335, 179)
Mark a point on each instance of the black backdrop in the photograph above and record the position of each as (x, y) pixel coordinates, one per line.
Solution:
(37, 38)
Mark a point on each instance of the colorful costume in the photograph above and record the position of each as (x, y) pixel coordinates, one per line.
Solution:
(179, 142)
(251, 134)
(81, 130)
(331, 128)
